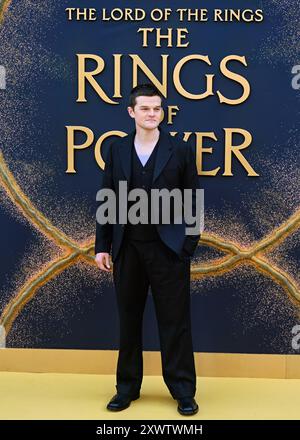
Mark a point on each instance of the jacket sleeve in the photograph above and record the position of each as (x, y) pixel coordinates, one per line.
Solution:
(191, 181)
(103, 239)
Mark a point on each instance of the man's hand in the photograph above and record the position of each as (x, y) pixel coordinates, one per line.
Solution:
(102, 261)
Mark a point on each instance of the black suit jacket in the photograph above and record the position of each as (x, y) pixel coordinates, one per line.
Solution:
(175, 167)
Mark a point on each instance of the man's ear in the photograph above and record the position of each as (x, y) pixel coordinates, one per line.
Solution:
(131, 112)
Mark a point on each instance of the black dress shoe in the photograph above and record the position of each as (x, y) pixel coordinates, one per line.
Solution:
(120, 401)
(187, 406)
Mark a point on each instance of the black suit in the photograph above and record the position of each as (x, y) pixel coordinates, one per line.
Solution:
(162, 263)
(175, 167)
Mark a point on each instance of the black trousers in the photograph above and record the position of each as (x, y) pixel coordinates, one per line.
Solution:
(141, 264)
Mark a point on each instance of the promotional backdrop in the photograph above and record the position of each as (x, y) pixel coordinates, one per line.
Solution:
(245, 273)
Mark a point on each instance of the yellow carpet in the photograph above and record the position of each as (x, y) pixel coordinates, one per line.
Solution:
(84, 396)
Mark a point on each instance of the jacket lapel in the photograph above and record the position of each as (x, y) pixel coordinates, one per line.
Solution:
(164, 151)
(125, 154)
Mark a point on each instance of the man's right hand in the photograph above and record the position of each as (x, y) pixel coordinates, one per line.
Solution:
(102, 261)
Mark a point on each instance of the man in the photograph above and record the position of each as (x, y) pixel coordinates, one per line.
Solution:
(156, 255)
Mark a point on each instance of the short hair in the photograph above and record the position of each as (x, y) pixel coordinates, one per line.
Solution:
(143, 90)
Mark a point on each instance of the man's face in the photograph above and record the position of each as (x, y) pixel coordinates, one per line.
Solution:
(147, 112)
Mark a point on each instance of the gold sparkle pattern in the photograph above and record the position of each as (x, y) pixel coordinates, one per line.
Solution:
(4, 4)
(235, 253)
